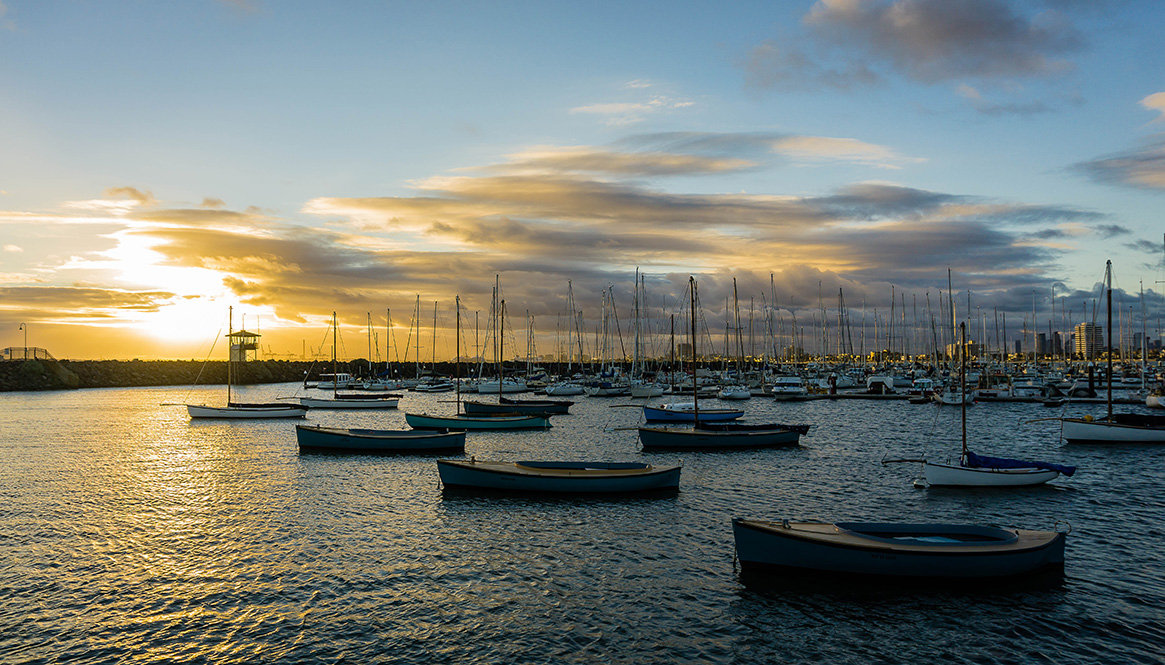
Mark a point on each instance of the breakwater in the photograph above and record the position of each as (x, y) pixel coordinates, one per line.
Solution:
(72, 374)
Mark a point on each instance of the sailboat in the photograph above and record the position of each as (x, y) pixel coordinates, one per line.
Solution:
(980, 471)
(340, 400)
(703, 434)
(1114, 427)
(240, 410)
(464, 421)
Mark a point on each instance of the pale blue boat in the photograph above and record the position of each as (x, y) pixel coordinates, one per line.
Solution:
(465, 422)
(685, 412)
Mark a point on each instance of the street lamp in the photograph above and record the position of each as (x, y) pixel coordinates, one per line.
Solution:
(24, 327)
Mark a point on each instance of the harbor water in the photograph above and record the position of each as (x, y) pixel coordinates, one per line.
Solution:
(130, 533)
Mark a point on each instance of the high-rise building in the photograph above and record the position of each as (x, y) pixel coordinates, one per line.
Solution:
(1089, 340)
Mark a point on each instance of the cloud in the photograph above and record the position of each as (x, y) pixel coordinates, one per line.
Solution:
(1155, 102)
(74, 303)
(589, 215)
(1142, 168)
(939, 40)
(628, 113)
(584, 159)
(13, 249)
(821, 148)
(144, 198)
(860, 43)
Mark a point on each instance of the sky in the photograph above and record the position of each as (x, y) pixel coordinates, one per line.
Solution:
(163, 164)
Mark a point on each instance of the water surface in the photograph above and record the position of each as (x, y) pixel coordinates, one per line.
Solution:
(129, 533)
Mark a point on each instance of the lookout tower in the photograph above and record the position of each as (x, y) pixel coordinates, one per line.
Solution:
(244, 346)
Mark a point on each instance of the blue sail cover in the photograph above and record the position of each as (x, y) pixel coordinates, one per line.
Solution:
(984, 462)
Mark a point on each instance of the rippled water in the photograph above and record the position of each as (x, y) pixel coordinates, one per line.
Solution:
(129, 532)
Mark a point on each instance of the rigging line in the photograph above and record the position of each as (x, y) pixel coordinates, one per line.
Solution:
(213, 343)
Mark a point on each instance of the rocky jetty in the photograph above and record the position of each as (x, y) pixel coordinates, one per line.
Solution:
(69, 374)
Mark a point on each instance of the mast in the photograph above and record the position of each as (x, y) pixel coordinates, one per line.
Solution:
(335, 364)
(963, 383)
(695, 371)
(457, 358)
(1108, 297)
(230, 355)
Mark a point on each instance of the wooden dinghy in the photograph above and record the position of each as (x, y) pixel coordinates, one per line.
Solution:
(875, 549)
(559, 477)
(330, 439)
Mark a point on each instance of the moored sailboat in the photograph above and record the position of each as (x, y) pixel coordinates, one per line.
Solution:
(981, 471)
(239, 410)
(1114, 427)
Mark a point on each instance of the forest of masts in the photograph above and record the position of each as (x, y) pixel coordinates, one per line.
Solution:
(640, 335)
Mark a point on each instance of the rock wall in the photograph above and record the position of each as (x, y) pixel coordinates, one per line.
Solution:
(68, 374)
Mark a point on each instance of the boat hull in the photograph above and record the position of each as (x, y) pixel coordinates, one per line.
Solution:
(377, 441)
(673, 415)
(950, 551)
(1084, 430)
(953, 475)
(564, 390)
(530, 407)
(558, 477)
(349, 403)
(425, 421)
(245, 412)
(661, 437)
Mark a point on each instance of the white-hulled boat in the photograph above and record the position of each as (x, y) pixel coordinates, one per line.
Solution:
(564, 389)
(496, 387)
(438, 386)
(1155, 400)
(377, 441)
(334, 381)
(734, 393)
(647, 389)
(561, 477)
(788, 388)
(1117, 428)
(950, 551)
(246, 411)
(981, 471)
(973, 470)
(1114, 427)
(346, 400)
(238, 410)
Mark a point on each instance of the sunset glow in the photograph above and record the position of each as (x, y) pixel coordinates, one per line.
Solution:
(800, 148)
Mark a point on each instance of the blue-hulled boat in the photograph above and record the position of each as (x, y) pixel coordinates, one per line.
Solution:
(888, 550)
(559, 477)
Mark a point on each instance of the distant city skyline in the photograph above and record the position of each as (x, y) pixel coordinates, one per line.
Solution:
(163, 162)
